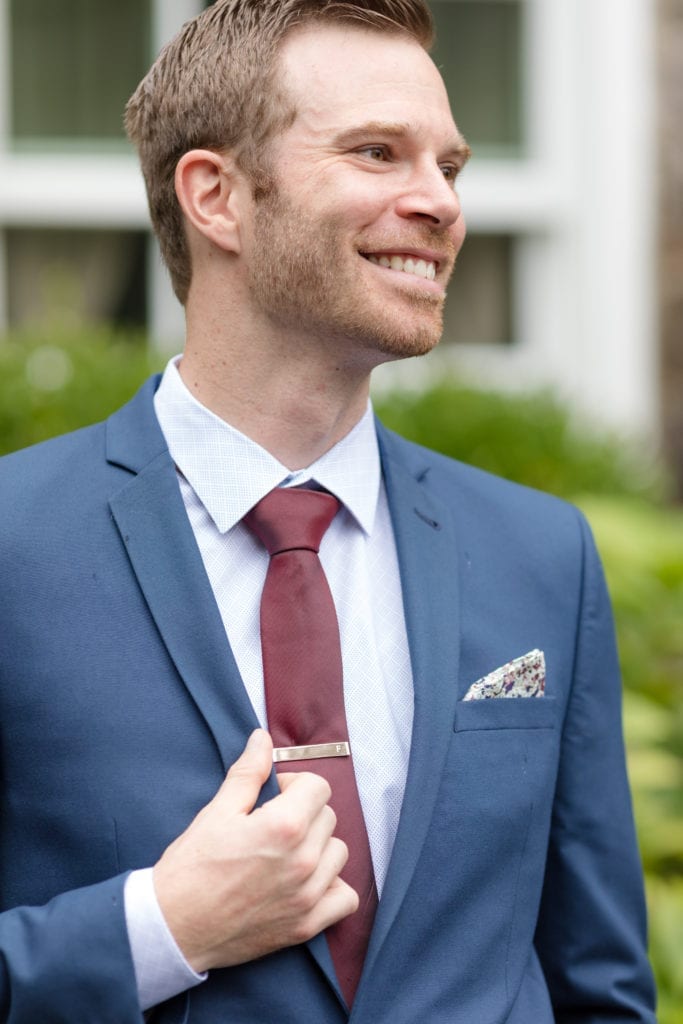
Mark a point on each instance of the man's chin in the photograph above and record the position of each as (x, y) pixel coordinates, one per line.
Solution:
(415, 335)
(385, 349)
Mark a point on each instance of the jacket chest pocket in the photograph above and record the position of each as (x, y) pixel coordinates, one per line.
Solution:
(502, 764)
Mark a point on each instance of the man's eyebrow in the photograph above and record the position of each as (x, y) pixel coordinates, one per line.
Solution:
(457, 147)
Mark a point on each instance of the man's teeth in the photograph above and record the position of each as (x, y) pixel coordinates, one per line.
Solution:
(409, 266)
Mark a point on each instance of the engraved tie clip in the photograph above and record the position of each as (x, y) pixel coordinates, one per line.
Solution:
(312, 750)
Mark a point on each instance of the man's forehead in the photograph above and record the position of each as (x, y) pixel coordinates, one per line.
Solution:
(345, 79)
(320, 51)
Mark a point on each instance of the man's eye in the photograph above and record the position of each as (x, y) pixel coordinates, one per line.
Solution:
(374, 152)
(450, 173)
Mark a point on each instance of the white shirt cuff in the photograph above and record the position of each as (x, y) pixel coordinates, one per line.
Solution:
(161, 970)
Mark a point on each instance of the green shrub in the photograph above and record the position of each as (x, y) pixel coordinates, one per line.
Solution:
(55, 384)
(665, 904)
(528, 438)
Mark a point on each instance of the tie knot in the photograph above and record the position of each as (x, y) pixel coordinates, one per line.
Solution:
(289, 518)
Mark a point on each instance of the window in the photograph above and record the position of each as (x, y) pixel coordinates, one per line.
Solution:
(479, 305)
(70, 278)
(479, 53)
(73, 66)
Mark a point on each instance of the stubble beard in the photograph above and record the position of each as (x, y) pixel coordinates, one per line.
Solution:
(302, 279)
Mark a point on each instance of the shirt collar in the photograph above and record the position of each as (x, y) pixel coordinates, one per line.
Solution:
(229, 472)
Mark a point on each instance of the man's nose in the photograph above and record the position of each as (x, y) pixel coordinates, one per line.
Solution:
(431, 196)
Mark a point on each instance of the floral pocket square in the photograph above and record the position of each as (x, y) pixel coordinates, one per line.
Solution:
(523, 677)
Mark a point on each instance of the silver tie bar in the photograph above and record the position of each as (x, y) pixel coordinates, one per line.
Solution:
(311, 751)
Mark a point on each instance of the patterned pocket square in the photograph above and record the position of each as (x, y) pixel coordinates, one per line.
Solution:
(523, 677)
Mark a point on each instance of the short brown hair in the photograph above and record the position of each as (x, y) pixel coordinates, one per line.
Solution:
(214, 86)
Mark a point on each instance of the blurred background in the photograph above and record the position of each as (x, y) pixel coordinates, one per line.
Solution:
(562, 359)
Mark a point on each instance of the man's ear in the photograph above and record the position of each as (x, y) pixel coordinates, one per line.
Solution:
(209, 189)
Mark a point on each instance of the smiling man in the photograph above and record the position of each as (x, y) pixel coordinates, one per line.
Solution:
(299, 720)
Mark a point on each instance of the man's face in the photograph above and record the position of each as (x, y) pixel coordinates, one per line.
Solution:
(358, 237)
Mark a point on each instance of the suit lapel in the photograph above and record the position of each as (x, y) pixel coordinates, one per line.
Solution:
(158, 538)
(426, 545)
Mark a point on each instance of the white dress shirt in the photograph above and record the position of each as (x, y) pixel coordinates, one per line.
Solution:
(222, 474)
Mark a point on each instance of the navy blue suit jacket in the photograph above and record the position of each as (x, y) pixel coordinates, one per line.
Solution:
(513, 895)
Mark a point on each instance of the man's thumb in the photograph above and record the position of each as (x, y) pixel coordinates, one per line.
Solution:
(248, 774)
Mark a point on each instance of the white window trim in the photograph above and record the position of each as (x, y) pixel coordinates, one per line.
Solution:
(166, 315)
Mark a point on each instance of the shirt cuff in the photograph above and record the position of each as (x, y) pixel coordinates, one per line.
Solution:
(161, 970)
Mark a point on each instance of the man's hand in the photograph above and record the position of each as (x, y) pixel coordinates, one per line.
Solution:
(240, 883)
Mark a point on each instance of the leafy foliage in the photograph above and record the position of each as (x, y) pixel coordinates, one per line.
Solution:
(665, 903)
(528, 438)
(49, 387)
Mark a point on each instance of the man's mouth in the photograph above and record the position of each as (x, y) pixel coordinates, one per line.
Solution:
(406, 264)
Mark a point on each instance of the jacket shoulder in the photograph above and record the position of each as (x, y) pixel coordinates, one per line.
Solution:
(62, 478)
(47, 461)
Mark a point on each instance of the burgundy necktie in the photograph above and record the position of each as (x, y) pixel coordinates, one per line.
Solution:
(302, 670)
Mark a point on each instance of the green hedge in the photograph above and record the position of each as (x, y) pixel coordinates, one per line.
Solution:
(528, 438)
(47, 387)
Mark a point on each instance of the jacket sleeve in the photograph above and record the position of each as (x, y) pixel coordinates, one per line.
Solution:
(69, 960)
(591, 936)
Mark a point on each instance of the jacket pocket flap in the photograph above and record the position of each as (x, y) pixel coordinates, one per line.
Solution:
(506, 713)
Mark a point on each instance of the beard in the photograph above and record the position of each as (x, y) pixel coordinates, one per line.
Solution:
(305, 275)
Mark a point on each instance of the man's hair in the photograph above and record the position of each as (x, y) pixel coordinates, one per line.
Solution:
(215, 86)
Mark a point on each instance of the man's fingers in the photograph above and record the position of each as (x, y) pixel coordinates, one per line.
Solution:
(303, 795)
(287, 779)
(321, 831)
(248, 774)
(239, 792)
(331, 862)
(337, 902)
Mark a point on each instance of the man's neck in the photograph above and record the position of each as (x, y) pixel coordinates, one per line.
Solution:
(295, 406)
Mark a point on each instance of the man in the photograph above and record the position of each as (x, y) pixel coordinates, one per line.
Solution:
(300, 158)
